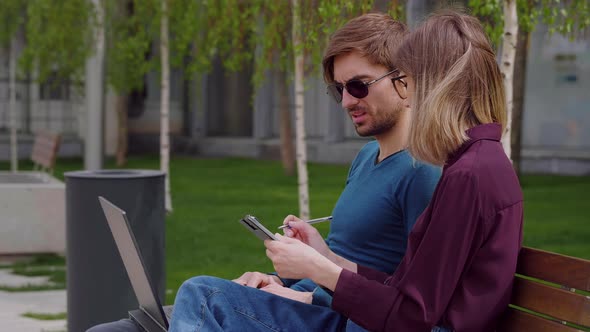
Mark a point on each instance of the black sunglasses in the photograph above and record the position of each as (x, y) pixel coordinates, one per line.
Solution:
(356, 88)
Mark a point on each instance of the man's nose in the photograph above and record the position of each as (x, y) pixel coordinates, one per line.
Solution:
(347, 100)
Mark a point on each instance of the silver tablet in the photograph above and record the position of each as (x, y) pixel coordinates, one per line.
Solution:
(252, 224)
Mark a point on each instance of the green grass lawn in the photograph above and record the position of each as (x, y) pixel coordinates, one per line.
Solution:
(557, 213)
(209, 196)
(203, 235)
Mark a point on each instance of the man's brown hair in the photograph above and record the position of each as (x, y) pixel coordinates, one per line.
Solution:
(375, 36)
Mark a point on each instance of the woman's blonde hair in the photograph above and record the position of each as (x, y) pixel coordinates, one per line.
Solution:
(458, 84)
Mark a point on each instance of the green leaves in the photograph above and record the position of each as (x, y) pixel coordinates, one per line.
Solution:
(241, 33)
(564, 17)
(490, 12)
(11, 17)
(331, 15)
(319, 19)
(131, 28)
(59, 37)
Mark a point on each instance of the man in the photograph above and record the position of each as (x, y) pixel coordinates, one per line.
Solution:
(386, 190)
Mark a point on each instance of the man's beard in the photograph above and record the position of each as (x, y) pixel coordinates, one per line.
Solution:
(381, 125)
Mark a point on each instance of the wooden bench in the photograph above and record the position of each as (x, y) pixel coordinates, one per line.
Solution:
(551, 293)
(45, 150)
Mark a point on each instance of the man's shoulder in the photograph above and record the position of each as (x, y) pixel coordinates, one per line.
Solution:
(368, 151)
(369, 147)
(406, 164)
(426, 168)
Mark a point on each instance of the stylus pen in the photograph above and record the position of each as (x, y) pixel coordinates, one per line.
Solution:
(312, 221)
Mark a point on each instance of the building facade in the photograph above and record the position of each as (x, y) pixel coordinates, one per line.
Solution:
(216, 115)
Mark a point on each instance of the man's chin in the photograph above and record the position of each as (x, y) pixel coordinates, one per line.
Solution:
(366, 131)
(363, 132)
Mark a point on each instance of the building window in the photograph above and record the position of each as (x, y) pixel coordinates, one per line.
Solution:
(54, 89)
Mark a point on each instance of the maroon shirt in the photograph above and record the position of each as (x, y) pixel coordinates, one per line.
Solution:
(461, 257)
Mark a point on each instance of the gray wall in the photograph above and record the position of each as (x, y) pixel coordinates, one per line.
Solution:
(556, 123)
(331, 136)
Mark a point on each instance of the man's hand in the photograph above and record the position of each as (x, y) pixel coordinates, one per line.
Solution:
(257, 280)
(309, 235)
(306, 233)
(294, 259)
(274, 288)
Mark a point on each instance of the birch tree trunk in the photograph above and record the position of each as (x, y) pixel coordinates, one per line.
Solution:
(12, 106)
(94, 85)
(165, 104)
(300, 146)
(509, 40)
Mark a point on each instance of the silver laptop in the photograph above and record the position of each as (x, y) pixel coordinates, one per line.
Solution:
(151, 316)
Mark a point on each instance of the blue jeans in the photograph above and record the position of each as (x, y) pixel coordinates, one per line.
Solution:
(213, 304)
(206, 304)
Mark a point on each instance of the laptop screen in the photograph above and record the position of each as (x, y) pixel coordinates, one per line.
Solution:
(129, 251)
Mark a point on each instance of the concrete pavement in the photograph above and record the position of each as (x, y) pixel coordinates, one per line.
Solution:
(14, 304)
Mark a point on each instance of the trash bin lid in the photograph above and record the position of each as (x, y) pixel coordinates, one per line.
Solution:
(114, 174)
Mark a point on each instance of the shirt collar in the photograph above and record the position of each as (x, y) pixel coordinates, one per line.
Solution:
(489, 131)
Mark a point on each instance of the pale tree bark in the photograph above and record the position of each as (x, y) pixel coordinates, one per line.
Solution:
(121, 105)
(507, 65)
(94, 81)
(165, 104)
(300, 145)
(12, 105)
(286, 132)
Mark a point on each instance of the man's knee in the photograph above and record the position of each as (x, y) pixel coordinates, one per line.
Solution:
(204, 281)
(123, 325)
(203, 286)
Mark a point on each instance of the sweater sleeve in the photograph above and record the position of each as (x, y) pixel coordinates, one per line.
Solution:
(415, 297)
(303, 285)
(372, 274)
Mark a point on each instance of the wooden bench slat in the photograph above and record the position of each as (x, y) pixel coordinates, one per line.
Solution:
(568, 271)
(554, 302)
(560, 303)
(518, 321)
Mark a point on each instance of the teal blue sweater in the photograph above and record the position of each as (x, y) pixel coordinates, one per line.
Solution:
(375, 212)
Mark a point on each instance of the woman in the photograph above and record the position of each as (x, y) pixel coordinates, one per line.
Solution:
(461, 257)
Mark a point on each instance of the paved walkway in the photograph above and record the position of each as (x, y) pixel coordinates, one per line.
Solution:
(14, 304)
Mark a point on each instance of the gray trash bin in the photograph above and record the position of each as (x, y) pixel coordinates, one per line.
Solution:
(98, 289)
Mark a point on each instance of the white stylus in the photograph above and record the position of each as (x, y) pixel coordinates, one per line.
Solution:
(312, 221)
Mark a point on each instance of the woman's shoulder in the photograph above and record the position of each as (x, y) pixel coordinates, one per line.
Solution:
(487, 168)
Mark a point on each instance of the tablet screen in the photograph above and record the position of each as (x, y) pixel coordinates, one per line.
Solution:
(252, 224)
